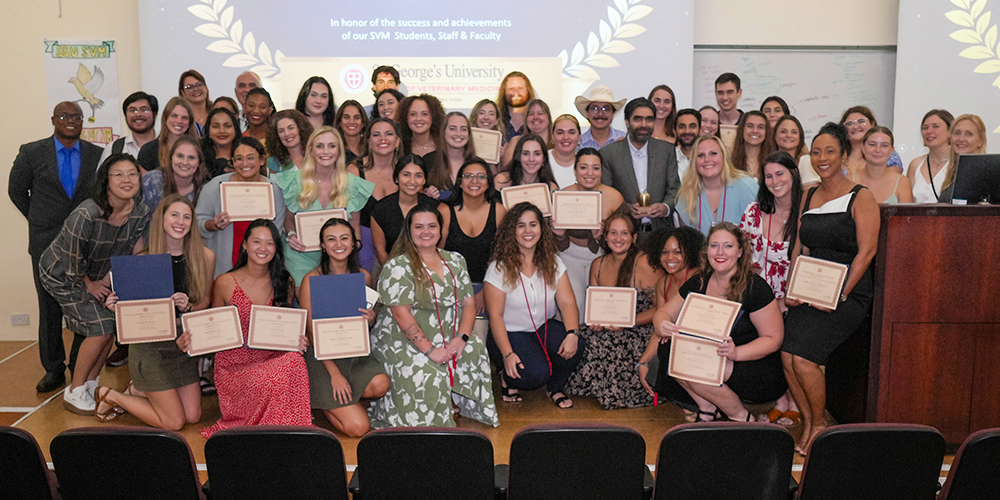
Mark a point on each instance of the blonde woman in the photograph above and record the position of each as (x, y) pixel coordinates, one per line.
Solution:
(538, 121)
(322, 184)
(968, 136)
(714, 191)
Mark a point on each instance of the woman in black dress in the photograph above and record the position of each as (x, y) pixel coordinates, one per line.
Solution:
(753, 368)
(839, 223)
(388, 214)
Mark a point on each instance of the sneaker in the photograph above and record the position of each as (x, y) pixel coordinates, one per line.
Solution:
(91, 386)
(79, 401)
(119, 357)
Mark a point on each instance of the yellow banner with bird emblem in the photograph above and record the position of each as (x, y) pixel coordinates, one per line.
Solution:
(85, 72)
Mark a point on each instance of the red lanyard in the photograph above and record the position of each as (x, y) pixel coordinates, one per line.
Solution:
(666, 288)
(437, 310)
(545, 342)
(767, 241)
(725, 191)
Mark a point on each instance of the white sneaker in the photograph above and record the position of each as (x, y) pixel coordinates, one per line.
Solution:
(78, 401)
(91, 386)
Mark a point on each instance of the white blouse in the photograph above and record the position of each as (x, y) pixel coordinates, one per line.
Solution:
(516, 310)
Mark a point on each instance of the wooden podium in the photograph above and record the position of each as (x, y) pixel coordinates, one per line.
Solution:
(933, 351)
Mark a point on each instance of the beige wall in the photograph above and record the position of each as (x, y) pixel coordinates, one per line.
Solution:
(24, 25)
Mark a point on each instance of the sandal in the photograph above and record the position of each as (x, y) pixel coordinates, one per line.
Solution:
(774, 415)
(789, 418)
(207, 387)
(714, 414)
(110, 414)
(559, 398)
(507, 395)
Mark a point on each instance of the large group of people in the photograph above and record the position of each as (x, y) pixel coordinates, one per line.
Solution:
(683, 212)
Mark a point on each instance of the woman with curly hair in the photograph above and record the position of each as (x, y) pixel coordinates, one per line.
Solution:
(420, 119)
(287, 134)
(524, 286)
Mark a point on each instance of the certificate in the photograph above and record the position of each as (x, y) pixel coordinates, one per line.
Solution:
(610, 306)
(372, 297)
(708, 317)
(308, 225)
(696, 360)
(276, 328)
(728, 135)
(817, 281)
(536, 194)
(142, 321)
(247, 201)
(487, 144)
(213, 330)
(577, 209)
(337, 338)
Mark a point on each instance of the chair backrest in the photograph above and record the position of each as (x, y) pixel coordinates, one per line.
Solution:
(873, 461)
(23, 473)
(975, 472)
(275, 462)
(425, 462)
(724, 460)
(574, 461)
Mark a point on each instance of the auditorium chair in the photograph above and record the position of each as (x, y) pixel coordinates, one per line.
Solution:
(23, 473)
(873, 461)
(424, 462)
(578, 461)
(275, 462)
(975, 471)
(724, 460)
(124, 463)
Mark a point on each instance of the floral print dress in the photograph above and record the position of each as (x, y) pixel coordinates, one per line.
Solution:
(422, 390)
(770, 258)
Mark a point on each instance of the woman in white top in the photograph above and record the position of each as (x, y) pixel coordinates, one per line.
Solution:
(927, 172)
(525, 285)
(562, 156)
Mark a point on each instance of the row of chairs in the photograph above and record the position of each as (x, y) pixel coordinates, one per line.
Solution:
(710, 460)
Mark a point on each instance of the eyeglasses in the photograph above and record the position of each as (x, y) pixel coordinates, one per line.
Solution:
(598, 108)
(241, 159)
(136, 111)
(479, 177)
(66, 117)
(118, 175)
(859, 122)
(196, 85)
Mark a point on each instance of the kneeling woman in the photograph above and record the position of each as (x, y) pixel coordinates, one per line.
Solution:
(524, 284)
(336, 386)
(256, 386)
(753, 368)
(164, 390)
(423, 336)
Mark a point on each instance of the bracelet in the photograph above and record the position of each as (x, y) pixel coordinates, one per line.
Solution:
(574, 331)
(428, 352)
(508, 355)
(642, 364)
(293, 233)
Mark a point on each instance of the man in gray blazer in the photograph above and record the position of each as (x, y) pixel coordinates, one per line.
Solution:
(643, 164)
(49, 179)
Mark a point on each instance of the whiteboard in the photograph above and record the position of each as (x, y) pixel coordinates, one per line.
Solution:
(818, 85)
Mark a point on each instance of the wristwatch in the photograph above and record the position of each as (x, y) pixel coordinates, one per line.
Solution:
(843, 298)
(465, 338)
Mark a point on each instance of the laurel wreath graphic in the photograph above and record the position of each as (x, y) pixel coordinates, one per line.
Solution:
(619, 25)
(979, 34)
(246, 52)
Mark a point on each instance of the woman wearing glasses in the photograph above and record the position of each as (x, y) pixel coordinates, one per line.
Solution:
(193, 88)
(857, 120)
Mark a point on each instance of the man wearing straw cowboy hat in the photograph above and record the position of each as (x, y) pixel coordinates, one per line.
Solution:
(600, 109)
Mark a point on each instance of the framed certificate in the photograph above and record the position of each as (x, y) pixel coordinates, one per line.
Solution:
(708, 317)
(817, 281)
(537, 194)
(696, 360)
(143, 321)
(246, 201)
(610, 306)
(577, 209)
(308, 224)
(213, 330)
(276, 328)
(487, 144)
(728, 135)
(337, 338)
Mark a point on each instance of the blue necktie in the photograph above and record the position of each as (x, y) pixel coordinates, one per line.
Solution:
(66, 172)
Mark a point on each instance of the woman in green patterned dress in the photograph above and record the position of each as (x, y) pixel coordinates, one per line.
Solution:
(423, 336)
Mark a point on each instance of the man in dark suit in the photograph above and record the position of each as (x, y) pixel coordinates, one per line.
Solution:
(642, 164)
(49, 179)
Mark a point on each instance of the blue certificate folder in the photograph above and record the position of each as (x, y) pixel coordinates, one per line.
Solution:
(337, 296)
(142, 277)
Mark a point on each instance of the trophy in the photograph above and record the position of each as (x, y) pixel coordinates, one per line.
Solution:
(644, 201)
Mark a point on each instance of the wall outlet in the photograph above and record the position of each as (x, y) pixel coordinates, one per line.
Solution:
(20, 319)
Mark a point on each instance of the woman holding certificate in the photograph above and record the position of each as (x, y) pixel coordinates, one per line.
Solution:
(751, 371)
(714, 191)
(389, 214)
(218, 230)
(423, 336)
(184, 174)
(74, 269)
(257, 386)
(322, 184)
(455, 150)
(607, 370)
(530, 165)
(164, 390)
(525, 284)
(839, 223)
(337, 386)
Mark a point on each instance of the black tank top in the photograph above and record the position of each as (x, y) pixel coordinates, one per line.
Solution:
(475, 250)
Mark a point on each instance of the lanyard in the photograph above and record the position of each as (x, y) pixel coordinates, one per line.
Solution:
(725, 191)
(666, 287)
(437, 310)
(544, 342)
